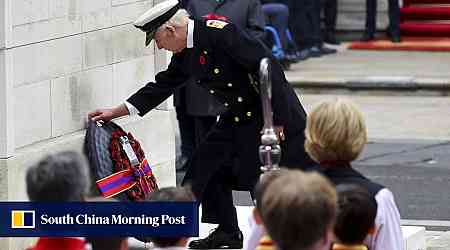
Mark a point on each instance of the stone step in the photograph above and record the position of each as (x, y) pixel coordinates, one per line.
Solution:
(409, 2)
(436, 240)
(414, 28)
(426, 13)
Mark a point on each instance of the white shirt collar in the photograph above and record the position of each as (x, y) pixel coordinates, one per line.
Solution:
(190, 34)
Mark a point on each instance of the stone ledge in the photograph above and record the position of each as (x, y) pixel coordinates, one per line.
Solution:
(414, 238)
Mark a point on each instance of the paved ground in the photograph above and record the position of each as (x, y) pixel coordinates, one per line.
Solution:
(399, 117)
(362, 66)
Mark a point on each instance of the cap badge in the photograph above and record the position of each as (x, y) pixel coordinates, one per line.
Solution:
(216, 24)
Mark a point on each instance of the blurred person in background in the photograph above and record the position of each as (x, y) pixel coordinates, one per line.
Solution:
(60, 177)
(277, 16)
(106, 243)
(329, 8)
(171, 194)
(393, 30)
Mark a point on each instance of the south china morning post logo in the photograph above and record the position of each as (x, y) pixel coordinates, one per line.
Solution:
(22, 219)
(85, 219)
(114, 219)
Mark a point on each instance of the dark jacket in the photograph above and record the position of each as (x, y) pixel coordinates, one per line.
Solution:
(247, 15)
(345, 174)
(223, 61)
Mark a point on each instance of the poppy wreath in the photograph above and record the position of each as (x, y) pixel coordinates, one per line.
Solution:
(121, 162)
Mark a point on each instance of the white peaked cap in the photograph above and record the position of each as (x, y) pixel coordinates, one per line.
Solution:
(156, 16)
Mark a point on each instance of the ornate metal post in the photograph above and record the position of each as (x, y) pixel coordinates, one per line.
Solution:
(270, 150)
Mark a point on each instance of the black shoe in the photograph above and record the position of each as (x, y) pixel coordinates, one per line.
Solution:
(394, 35)
(326, 51)
(292, 58)
(315, 51)
(303, 54)
(367, 37)
(330, 38)
(219, 239)
(395, 39)
(285, 64)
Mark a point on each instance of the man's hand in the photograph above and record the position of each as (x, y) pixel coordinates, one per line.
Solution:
(108, 114)
(101, 114)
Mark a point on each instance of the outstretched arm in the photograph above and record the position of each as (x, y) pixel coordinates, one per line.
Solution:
(149, 96)
(108, 114)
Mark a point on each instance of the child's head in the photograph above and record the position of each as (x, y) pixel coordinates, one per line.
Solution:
(335, 132)
(357, 210)
(264, 180)
(175, 194)
(298, 210)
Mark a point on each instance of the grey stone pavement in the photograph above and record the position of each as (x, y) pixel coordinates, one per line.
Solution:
(371, 68)
(403, 96)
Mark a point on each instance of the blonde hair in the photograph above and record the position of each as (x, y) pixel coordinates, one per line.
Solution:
(298, 209)
(179, 19)
(335, 132)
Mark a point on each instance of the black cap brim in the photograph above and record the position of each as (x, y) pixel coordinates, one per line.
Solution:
(149, 37)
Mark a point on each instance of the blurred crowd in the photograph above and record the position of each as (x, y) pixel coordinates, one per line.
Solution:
(294, 30)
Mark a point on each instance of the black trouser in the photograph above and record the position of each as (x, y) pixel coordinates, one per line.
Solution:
(394, 17)
(305, 22)
(186, 124)
(213, 177)
(217, 205)
(330, 14)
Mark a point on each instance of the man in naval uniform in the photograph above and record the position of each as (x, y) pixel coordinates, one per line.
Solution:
(225, 61)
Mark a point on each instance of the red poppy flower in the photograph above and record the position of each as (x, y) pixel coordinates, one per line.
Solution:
(202, 60)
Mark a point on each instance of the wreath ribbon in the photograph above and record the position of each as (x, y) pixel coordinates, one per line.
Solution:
(126, 179)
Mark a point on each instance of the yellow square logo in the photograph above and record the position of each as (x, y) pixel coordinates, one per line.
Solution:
(22, 219)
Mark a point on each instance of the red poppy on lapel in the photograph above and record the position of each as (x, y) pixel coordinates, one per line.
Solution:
(202, 60)
(214, 16)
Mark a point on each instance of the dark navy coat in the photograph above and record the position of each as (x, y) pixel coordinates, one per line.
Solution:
(225, 61)
(248, 16)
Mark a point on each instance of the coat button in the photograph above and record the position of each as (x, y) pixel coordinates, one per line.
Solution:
(236, 119)
(211, 91)
(216, 71)
(230, 84)
(240, 99)
(198, 81)
(205, 52)
(249, 114)
(225, 104)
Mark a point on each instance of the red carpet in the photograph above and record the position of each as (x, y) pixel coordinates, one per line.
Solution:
(425, 18)
(435, 44)
(424, 26)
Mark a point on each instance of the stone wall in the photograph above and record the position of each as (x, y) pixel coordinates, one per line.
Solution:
(60, 59)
